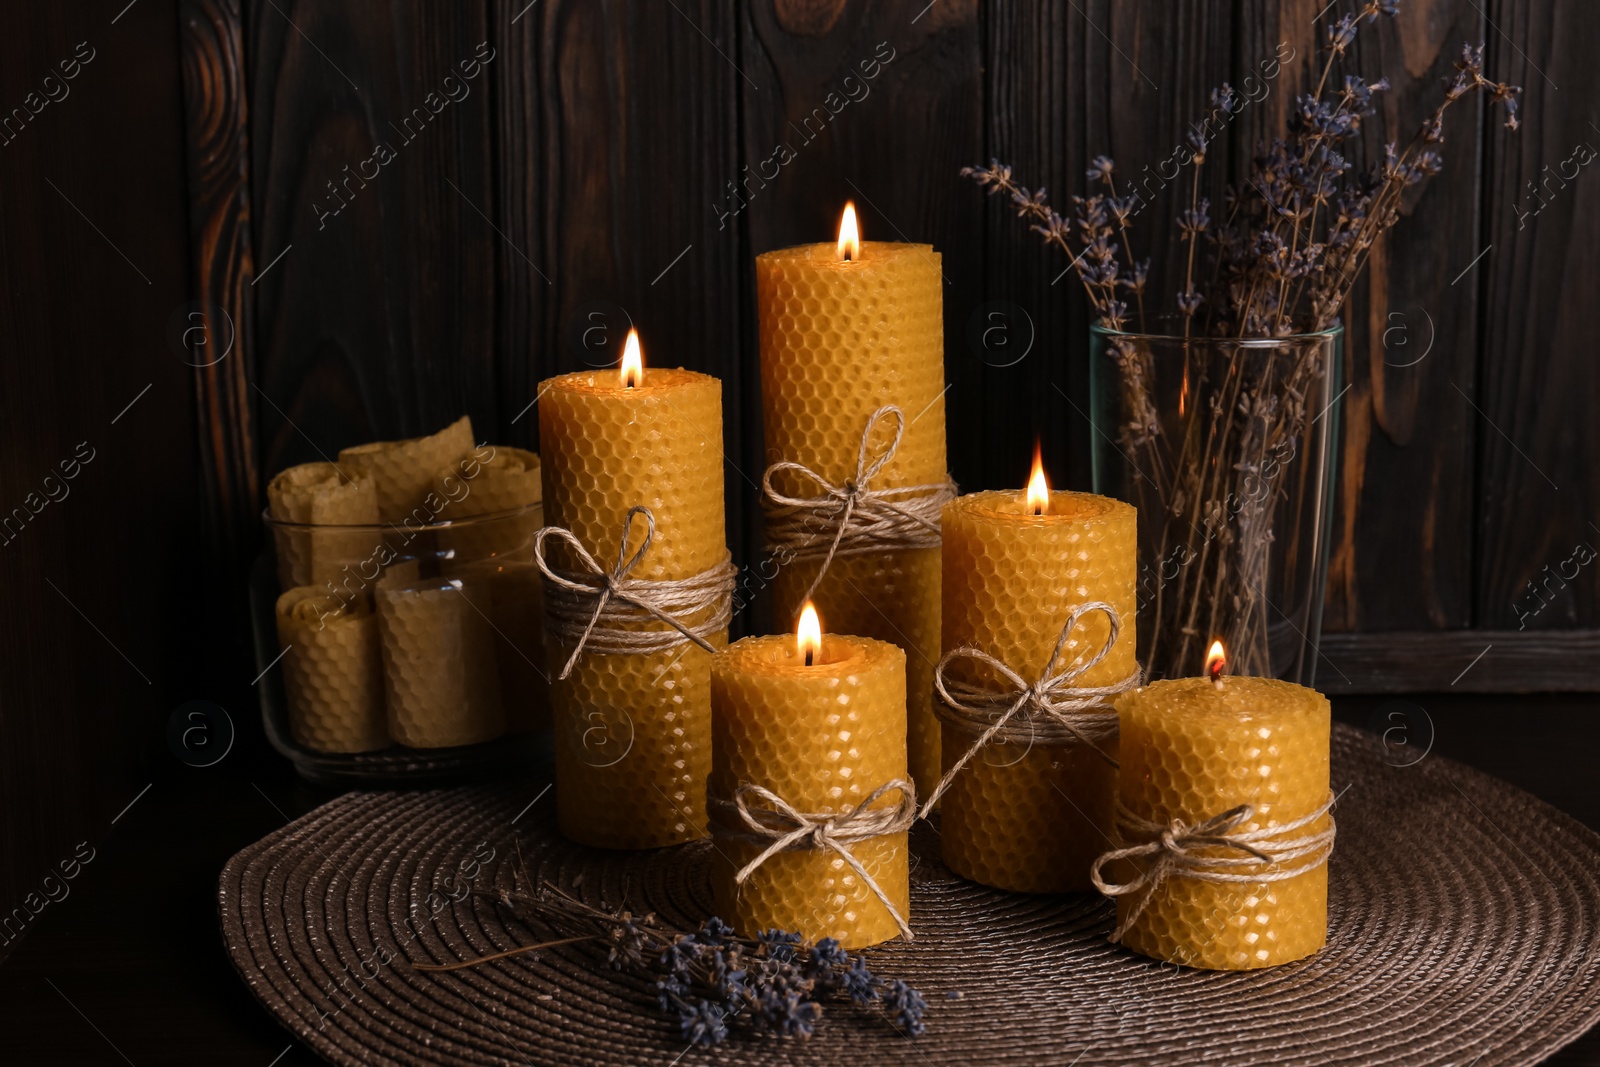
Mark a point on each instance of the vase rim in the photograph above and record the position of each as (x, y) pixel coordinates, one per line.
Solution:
(1242, 342)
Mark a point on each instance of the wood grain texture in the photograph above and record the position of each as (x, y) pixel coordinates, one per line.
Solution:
(1430, 661)
(1402, 550)
(620, 128)
(374, 173)
(221, 325)
(882, 108)
(103, 607)
(614, 164)
(1538, 482)
(1067, 83)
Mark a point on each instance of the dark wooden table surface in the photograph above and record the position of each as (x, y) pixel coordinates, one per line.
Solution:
(129, 967)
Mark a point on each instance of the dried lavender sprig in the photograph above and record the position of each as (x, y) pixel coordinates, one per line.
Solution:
(712, 981)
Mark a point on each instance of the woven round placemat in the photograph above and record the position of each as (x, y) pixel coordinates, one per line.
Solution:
(1464, 917)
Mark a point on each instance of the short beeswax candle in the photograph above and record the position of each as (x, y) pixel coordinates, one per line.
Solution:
(845, 330)
(633, 731)
(1030, 817)
(822, 738)
(1194, 749)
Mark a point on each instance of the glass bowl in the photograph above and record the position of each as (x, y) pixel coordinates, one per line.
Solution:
(403, 654)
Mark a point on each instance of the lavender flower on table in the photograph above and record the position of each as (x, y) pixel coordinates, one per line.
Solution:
(711, 981)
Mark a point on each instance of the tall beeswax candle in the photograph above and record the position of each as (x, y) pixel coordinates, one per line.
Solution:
(1191, 751)
(823, 738)
(1032, 817)
(839, 340)
(633, 731)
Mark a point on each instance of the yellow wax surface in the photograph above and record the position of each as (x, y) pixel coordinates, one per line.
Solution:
(319, 494)
(823, 738)
(333, 671)
(1191, 751)
(633, 732)
(404, 471)
(1023, 817)
(838, 341)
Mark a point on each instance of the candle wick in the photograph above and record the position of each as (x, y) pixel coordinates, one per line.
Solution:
(1039, 509)
(808, 657)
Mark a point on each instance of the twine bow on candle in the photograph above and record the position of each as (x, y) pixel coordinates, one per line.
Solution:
(602, 610)
(1177, 852)
(779, 826)
(1054, 709)
(861, 518)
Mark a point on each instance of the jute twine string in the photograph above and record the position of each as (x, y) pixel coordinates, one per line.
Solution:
(1050, 710)
(780, 826)
(1270, 854)
(600, 611)
(853, 517)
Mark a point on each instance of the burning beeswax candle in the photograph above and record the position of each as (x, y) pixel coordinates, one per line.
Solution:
(847, 329)
(1022, 815)
(633, 730)
(1250, 757)
(821, 735)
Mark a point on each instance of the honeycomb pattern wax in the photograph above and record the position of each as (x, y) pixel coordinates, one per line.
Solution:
(1032, 818)
(318, 494)
(406, 472)
(838, 341)
(332, 671)
(504, 479)
(823, 738)
(440, 674)
(1191, 751)
(633, 732)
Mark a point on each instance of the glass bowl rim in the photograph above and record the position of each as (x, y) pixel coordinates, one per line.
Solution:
(1332, 332)
(389, 527)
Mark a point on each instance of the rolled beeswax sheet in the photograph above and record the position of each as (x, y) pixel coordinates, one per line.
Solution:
(332, 671)
(320, 494)
(440, 669)
(406, 472)
(496, 480)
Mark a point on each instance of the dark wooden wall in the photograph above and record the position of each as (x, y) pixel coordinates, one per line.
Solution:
(102, 587)
(611, 161)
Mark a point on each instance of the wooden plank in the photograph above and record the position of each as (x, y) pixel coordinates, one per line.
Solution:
(104, 607)
(1067, 83)
(372, 131)
(220, 325)
(1461, 661)
(879, 104)
(1539, 388)
(1405, 498)
(619, 129)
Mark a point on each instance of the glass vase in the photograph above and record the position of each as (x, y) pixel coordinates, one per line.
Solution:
(1229, 449)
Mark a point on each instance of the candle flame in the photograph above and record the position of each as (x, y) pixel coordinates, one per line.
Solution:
(1216, 661)
(632, 362)
(808, 635)
(849, 234)
(1038, 495)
